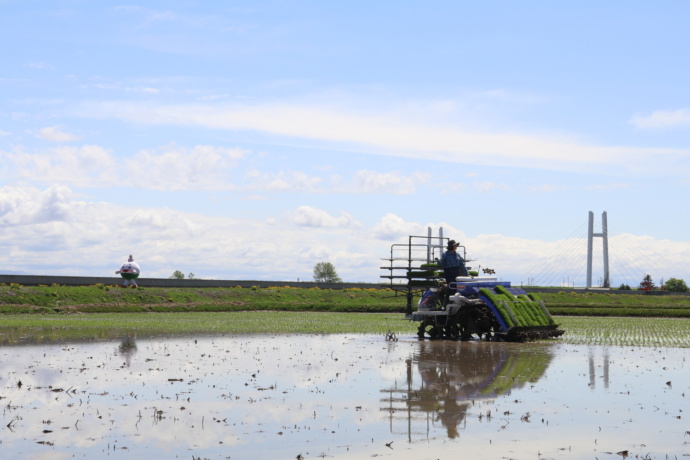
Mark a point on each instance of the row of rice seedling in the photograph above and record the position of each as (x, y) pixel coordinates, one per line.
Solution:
(113, 325)
(619, 331)
(657, 332)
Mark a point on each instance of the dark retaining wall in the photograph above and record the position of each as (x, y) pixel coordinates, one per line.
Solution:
(35, 280)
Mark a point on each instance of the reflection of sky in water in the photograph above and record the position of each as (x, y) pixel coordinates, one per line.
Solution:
(342, 396)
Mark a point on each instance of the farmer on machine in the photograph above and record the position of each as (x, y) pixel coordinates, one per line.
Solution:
(453, 266)
(129, 272)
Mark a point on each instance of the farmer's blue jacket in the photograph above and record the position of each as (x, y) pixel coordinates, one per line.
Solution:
(452, 259)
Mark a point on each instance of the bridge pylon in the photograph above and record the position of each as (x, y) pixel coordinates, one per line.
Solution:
(590, 243)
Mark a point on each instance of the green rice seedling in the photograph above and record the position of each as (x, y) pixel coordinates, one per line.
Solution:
(661, 332)
(503, 309)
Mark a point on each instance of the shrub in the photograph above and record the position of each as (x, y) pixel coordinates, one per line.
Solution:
(675, 285)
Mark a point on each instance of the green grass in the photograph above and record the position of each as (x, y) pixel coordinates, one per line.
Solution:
(16, 299)
(606, 304)
(103, 299)
(601, 298)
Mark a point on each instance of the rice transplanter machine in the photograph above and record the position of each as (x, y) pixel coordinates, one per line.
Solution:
(476, 306)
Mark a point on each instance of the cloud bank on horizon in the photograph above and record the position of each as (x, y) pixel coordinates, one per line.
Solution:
(252, 141)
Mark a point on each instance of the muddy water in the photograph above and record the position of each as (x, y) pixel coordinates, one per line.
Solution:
(341, 396)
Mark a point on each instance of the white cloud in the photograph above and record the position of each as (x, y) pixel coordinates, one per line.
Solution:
(551, 262)
(39, 65)
(213, 97)
(662, 119)
(391, 182)
(49, 232)
(306, 216)
(163, 220)
(545, 188)
(89, 165)
(172, 168)
(255, 198)
(178, 168)
(56, 134)
(201, 167)
(288, 181)
(50, 229)
(283, 181)
(451, 188)
(611, 186)
(144, 89)
(488, 187)
(25, 206)
(315, 251)
(393, 135)
(127, 89)
(393, 228)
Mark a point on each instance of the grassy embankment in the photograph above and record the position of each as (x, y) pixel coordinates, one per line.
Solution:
(16, 299)
(114, 299)
(606, 304)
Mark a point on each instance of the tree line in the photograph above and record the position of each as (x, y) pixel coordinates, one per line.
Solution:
(324, 272)
(670, 285)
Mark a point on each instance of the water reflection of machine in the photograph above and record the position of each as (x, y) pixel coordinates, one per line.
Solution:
(452, 377)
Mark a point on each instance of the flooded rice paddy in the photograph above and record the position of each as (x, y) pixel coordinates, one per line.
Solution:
(341, 396)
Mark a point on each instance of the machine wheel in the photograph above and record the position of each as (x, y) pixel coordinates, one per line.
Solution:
(435, 332)
(421, 330)
(429, 329)
(452, 331)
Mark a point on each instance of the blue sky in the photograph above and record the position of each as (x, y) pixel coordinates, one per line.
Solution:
(251, 140)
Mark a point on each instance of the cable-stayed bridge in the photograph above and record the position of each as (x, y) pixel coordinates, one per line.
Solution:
(589, 257)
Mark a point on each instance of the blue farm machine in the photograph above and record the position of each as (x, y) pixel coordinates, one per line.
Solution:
(471, 307)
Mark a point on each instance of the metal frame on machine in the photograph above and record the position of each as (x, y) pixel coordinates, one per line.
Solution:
(406, 265)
